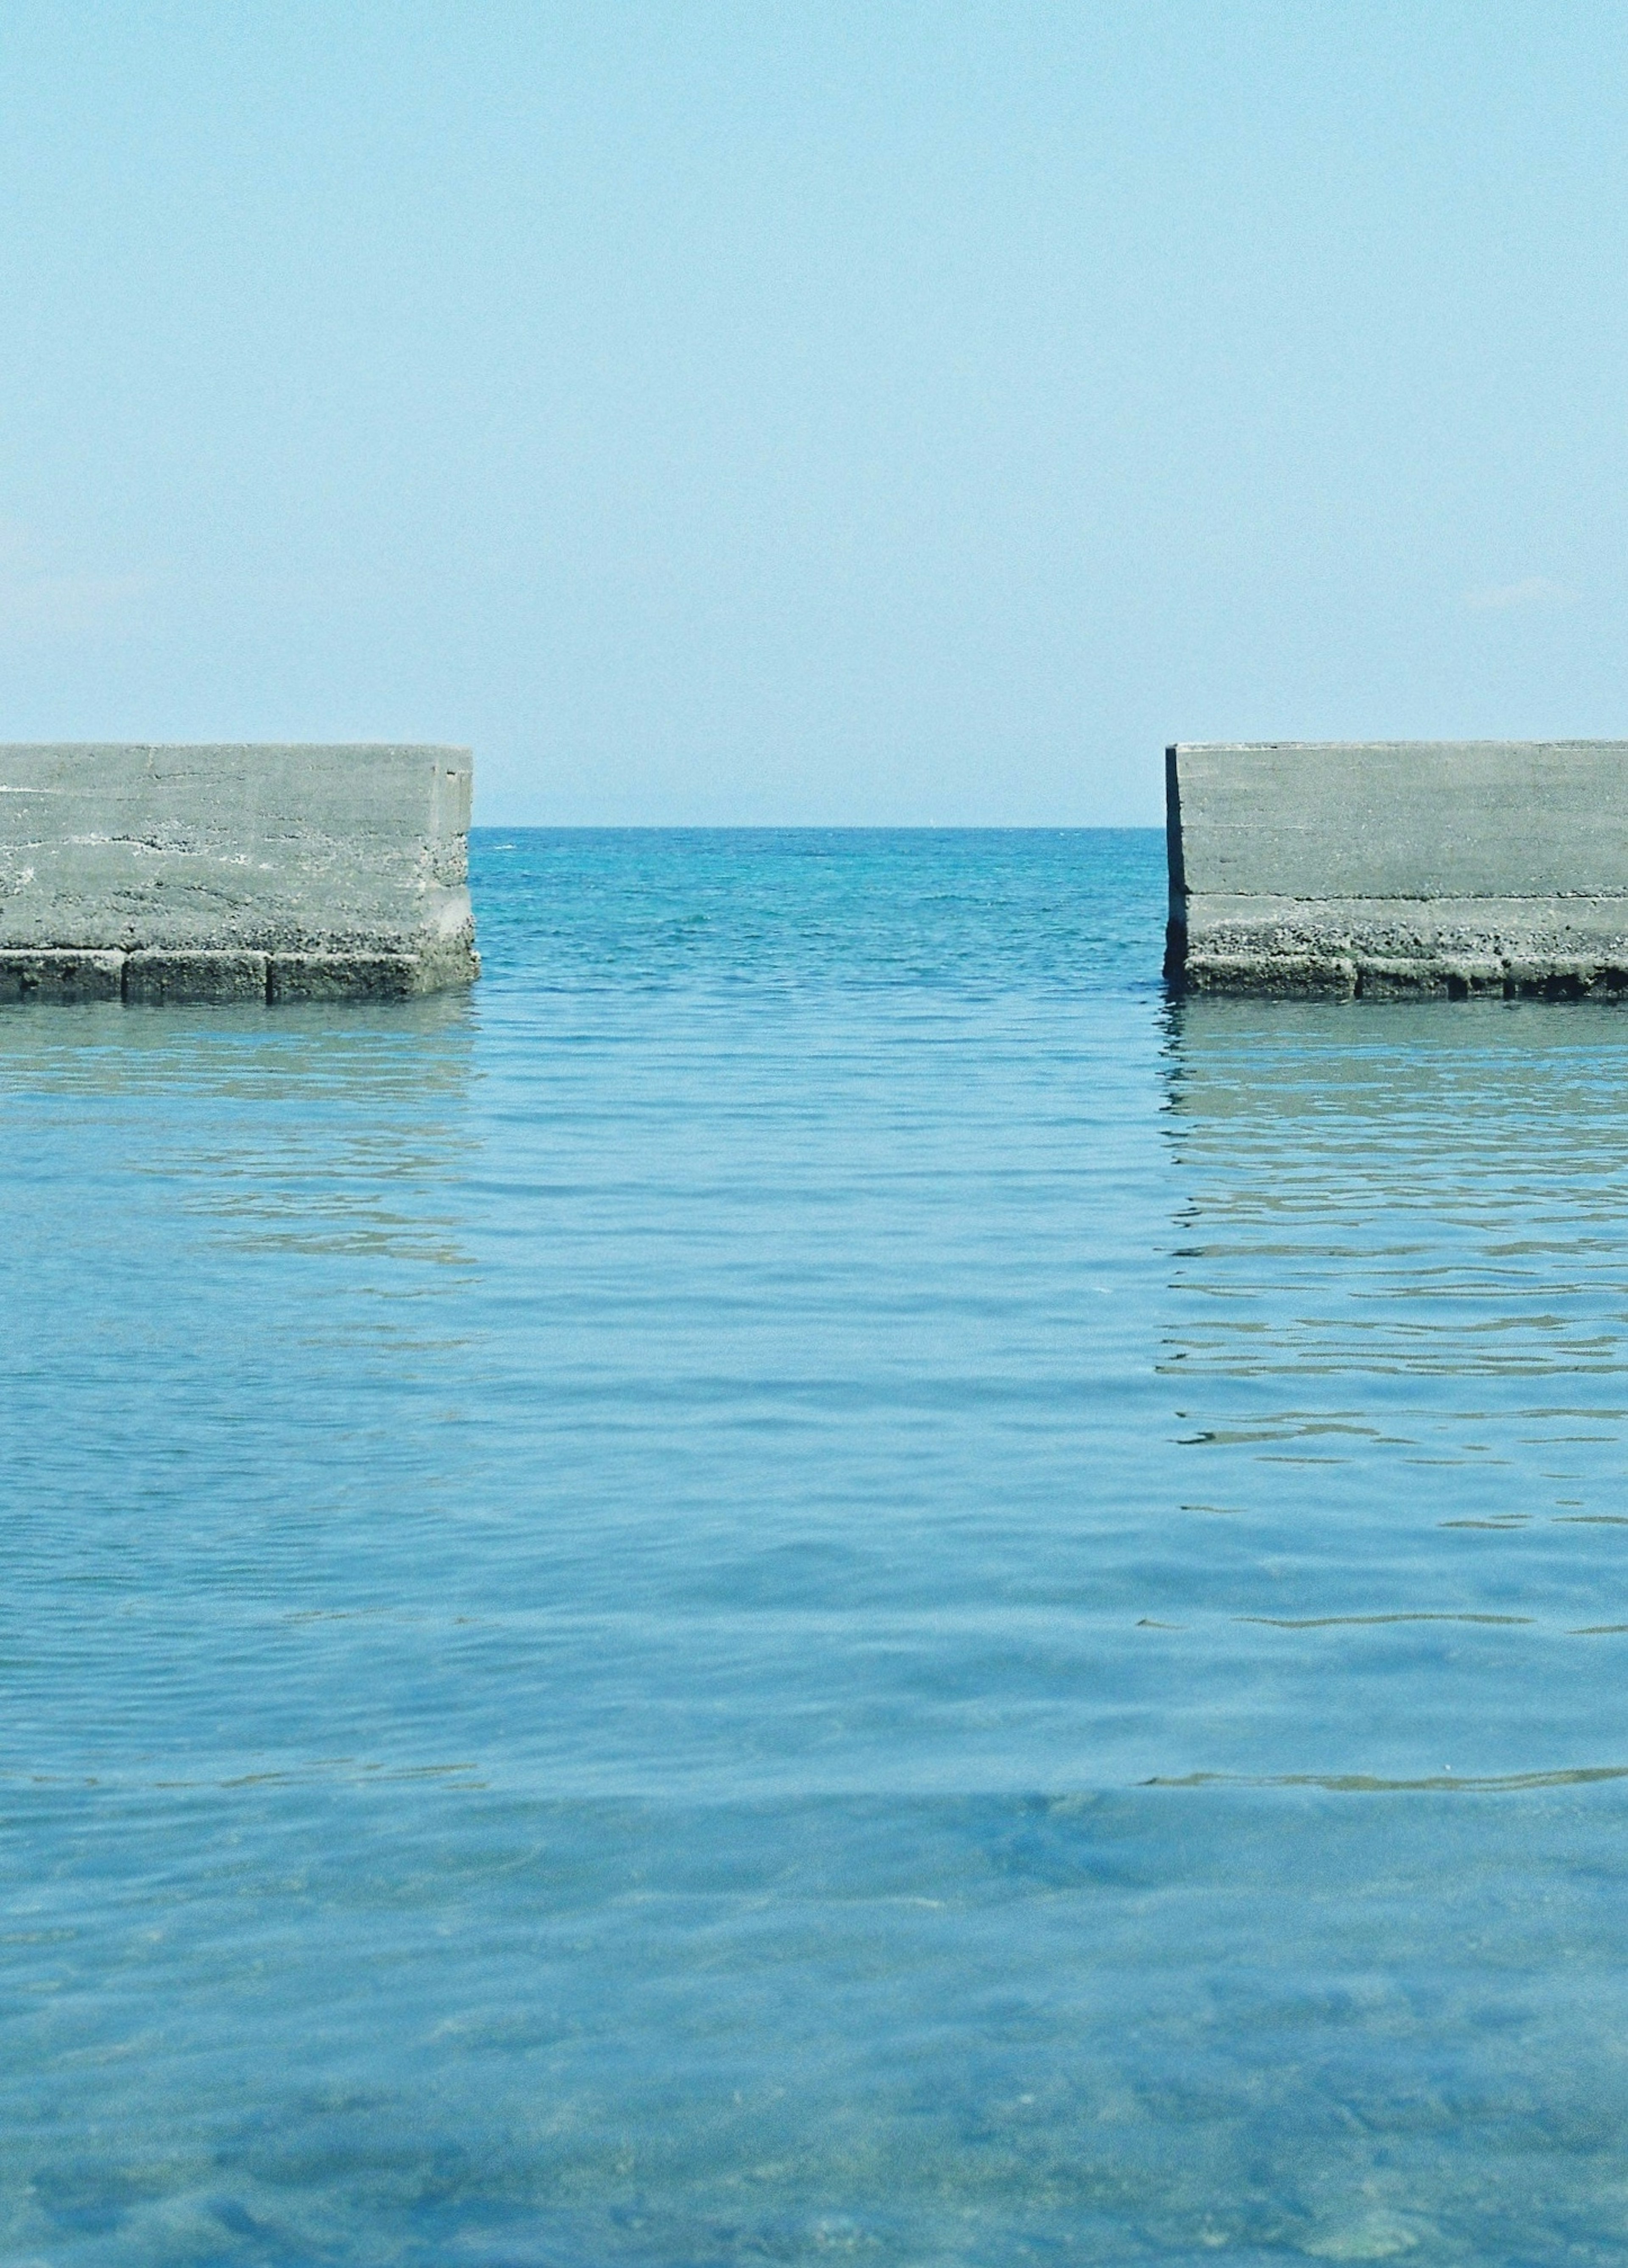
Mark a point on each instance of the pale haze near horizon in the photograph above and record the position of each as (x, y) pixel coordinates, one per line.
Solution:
(813, 414)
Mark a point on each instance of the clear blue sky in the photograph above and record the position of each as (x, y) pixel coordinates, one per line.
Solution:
(872, 413)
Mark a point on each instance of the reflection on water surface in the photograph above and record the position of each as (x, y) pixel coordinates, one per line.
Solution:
(814, 1580)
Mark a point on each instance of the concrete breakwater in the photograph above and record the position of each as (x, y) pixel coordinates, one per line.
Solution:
(1398, 867)
(225, 873)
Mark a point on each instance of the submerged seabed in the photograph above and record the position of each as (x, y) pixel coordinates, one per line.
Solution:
(815, 1582)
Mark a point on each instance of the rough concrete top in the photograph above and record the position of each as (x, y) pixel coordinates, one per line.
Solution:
(314, 848)
(1476, 865)
(1404, 819)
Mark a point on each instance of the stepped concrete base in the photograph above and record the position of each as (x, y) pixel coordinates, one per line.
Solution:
(1399, 870)
(61, 976)
(369, 976)
(227, 874)
(154, 980)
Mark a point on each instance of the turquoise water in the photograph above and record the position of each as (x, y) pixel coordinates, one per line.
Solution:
(815, 1582)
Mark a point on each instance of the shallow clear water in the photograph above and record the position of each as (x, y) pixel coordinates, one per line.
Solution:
(814, 1581)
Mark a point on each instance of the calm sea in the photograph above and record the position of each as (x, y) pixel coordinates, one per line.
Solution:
(814, 1582)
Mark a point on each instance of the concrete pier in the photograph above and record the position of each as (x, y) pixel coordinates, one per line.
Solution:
(233, 873)
(1399, 867)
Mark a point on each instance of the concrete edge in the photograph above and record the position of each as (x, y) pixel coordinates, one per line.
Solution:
(1175, 923)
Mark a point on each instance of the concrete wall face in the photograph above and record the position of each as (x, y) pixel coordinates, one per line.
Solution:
(1413, 866)
(231, 873)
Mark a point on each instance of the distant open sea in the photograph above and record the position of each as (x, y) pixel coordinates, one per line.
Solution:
(814, 1581)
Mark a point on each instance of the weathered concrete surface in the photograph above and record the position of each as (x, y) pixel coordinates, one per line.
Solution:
(1398, 867)
(233, 873)
(64, 976)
